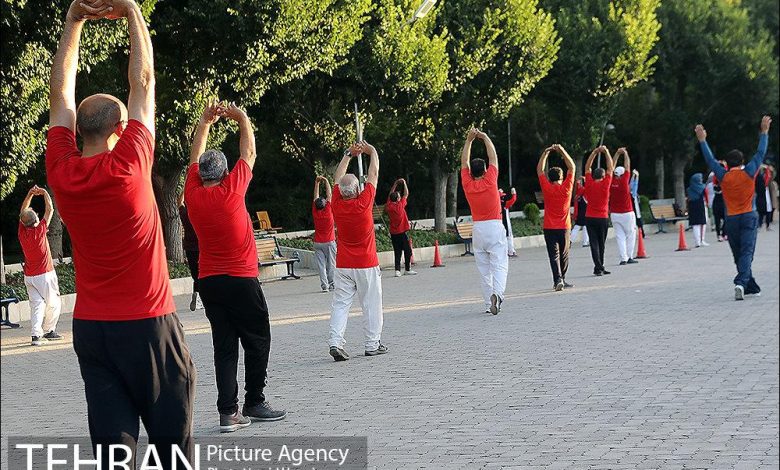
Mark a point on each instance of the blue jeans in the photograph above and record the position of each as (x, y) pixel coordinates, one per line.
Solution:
(742, 231)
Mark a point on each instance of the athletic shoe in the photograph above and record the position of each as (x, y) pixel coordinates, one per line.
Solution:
(623, 263)
(739, 292)
(512, 255)
(338, 354)
(263, 412)
(37, 341)
(725, 238)
(194, 302)
(52, 336)
(632, 261)
(332, 288)
(604, 271)
(720, 239)
(410, 273)
(495, 304)
(234, 422)
(558, 286)
(382, 349)
(586, 245)
(398, 274)
(324, 289)
(598, 273)
(566, 285)
(705, 244)
(487, 310)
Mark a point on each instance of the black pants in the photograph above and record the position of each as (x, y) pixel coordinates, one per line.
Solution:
(133, 370)
(401, 245)
(765, 218)
(236, 309)
(719, 212)
(192, 262)
(597, 232)
(557, 241)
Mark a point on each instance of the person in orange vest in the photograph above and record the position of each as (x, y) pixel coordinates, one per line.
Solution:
(738, 187)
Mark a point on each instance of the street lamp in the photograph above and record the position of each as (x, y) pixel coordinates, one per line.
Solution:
(422, 10)
(607, 127)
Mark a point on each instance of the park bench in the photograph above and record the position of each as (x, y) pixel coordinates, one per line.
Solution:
(539, 197)
(264, 223)
(5, 303)
(663, 213)
(465, 232)
(378, 213)
(269, 254)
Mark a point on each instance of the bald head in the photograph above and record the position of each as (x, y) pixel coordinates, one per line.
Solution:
(348, 186)
(28, 217)
(99, 116)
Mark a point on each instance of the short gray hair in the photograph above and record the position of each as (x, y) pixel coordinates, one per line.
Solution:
(28, 217)
(212, 165)
(348, 186)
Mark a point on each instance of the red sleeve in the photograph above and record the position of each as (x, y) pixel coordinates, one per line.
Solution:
(238, 179)
(135, 149)
(60, 145)
(366, 198)
(511, 201)
(588, 179)
(543, 181)
(569, 183)
(465, 177)
(336, 193)
(192, 180)
(492, 174)
(403, 202)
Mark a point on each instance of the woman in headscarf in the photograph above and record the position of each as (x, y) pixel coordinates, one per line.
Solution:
(697, 213)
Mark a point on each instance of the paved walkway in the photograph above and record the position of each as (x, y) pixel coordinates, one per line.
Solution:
(654, 366)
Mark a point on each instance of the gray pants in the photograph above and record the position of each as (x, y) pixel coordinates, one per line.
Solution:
(326, 263)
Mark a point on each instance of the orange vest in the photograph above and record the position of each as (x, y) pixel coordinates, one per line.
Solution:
(738, 191)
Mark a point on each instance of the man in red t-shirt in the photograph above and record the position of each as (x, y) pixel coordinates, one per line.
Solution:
(621, 209)
(39, 276)
(399, 227)
(557, 224)
(480, 183)
(129, 342)
(357, 265)
(597, 185)
(231, 293)
(324, 234)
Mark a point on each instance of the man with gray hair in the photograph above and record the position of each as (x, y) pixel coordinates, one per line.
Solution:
(357, 264)
(234, 301)
(39, 276)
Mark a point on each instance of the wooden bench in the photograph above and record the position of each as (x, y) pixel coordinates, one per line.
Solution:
(269, 254)
(5, 303)
(663, 213)
(465, 232)
(264, 222)
(378, 213)
(539, 197)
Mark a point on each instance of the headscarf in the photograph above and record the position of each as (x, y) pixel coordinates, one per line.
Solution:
(696, 186)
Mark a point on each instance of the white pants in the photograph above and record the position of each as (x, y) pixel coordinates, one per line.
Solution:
(490, 251)
(510, 238)
(326, 263)
(576, 231)
(45, 304)
(367, 284)
(698, 233)
(625, 233)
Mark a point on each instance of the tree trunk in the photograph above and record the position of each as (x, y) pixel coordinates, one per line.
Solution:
(2, 261)
(452, 193)
(165, 190)
(678, 176)
(439, 197)
(660, 177)
(55, 235)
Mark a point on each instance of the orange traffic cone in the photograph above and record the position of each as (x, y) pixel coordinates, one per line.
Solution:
(436, 257)
(411, 248)
(682, 246)
(640, 252)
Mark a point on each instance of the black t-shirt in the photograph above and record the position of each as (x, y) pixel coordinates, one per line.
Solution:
(190, 238)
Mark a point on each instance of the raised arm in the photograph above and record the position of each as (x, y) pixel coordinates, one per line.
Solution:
(491, 149)
(328, 190)
(207, 118)
(247, 139)
(341, 169)
(406, 188)
(48, 212)
(543, 161)
(140, 71)
(763, 141)
(591, 157)
(316, 187)
(567, 160)
(626, 159)
(373, 167)
(465, 154)
(610, 163)
(28, 199)
(394, 187)
(709, 158)
(181, 199)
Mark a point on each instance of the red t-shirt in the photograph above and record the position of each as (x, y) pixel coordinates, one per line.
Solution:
(107, 203)
(324, 227)
(35, 246)
(222, 223)
(620, 200)
(356, 245)
(597, 195)
(482, 194)
(557, 198)
(396, 211)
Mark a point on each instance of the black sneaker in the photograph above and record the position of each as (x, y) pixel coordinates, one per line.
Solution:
(598, 273)
(605, 272)
(632, 261)
(37, 341)
(263, 412)
(234, 422)
(382, 349)
(566, 285)
(623, 263)
(338, 354)
(52, 336)
(558, 286)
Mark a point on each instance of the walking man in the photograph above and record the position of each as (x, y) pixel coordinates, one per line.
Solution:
(557, 196)
(738, 191)
(324, 234)
(597, 188)
(621, 209)
(39, 276)
(128, 339)
(399, 227)
(480, 183)
(357, 265)
(234, 301)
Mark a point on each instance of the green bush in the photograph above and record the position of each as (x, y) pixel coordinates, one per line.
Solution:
(526, 228)
(644, 209)
(532, 212)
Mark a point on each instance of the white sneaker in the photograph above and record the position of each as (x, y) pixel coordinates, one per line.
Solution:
(398, 274)
(739, 292)
(705, 244)
(410, 273)
(198, 303)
